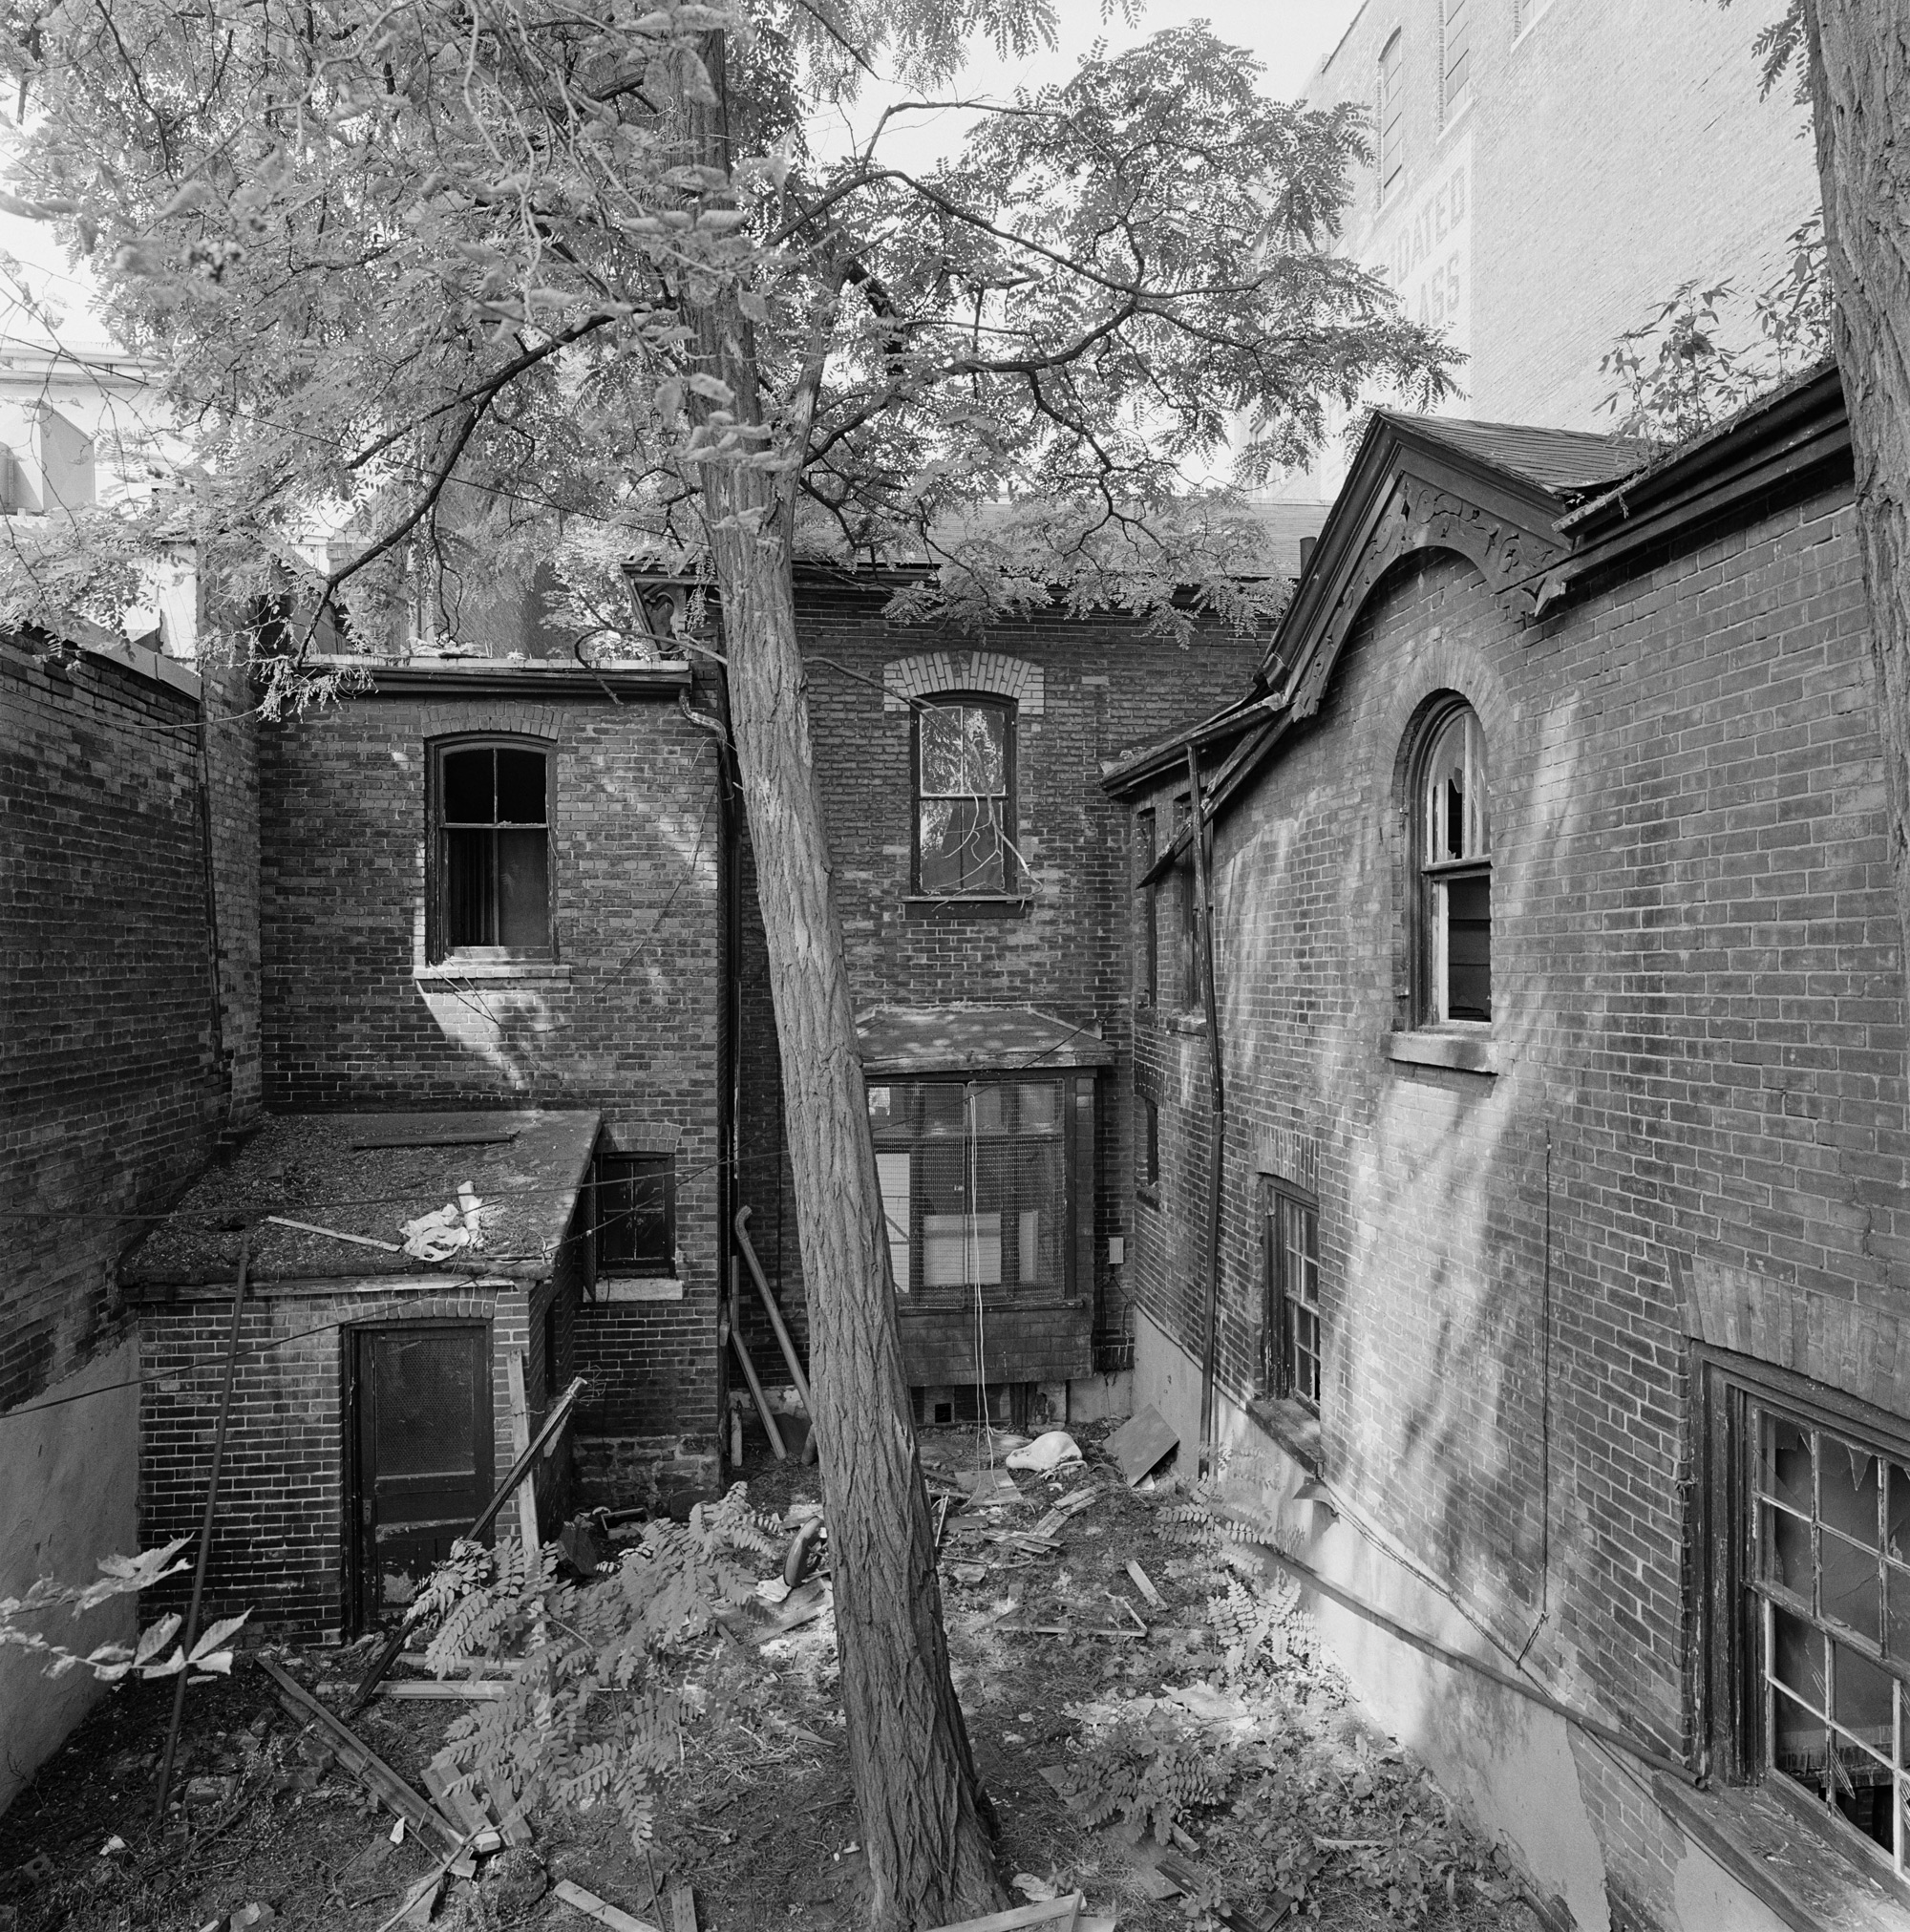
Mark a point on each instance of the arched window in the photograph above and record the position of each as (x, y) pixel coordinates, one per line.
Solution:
(965, 817)
(491, 850)
(1453, 838)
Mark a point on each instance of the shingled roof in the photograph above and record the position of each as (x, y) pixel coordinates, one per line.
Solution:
(1562, 462)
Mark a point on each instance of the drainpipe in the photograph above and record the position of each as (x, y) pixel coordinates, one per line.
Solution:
(1217, 1113)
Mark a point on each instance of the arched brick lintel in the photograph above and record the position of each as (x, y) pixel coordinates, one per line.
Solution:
(935, 671)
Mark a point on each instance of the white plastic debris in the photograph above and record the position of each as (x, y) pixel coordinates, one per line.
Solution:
(437, 1236)
(1046, 1452)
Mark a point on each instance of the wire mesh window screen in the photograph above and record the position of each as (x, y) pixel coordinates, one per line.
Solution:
(424, 1389)
(973, 1180)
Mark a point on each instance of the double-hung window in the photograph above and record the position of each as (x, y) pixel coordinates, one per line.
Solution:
(491, 848)
(965, 818)
(1291, 1330)
(1810, 1660)
(1453, 853)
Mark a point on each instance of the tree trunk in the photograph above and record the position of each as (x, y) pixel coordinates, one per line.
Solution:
(1860, 55)
(925, 1821)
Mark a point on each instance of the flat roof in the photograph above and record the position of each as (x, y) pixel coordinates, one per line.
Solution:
(366, 1175)
(898, 1041)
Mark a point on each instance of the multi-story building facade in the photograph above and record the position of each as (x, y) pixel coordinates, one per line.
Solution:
(1545, 173)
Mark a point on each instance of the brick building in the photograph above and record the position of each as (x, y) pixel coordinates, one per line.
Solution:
(1546, 172)
(980, 875)
(1564, 1242)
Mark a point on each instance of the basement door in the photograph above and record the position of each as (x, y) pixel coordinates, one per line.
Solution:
(421, 1397)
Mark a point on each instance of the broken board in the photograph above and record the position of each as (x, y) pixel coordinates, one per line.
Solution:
(1140, 1444)
(1053, 1914)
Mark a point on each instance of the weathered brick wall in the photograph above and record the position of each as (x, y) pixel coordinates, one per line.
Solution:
(113, 1087)
(1700, 1030)
(626, 1019)
(231, 771)
(1105, 689)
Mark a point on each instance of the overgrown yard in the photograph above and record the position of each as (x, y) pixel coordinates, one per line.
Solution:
(1205, 1732)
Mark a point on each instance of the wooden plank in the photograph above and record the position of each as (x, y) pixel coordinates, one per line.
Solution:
(457, 1801)
(603, 1912)
(446, 1690)
(363, 1763)
(1060, 1913)
(1144, 1583)
(509, 1809)
(446, 1136)
(1141, 1443)
(682, 1909)
(521, 1442)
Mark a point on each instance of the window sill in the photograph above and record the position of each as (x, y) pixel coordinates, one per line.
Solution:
(1467, 1053)
(1293, 1427)
(638, 1288)
(1148, 1196)
(445, 969)
(1185, 1023)
(1795, 1869)
(981, 904)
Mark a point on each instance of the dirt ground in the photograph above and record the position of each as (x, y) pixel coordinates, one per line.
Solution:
(1257, 1768)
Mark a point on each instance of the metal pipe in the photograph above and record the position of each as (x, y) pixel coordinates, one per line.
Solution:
(190, 1634)
(1217, 1115)
(789, 1355)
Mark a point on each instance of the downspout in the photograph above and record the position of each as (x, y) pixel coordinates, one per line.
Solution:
(1217, 1113)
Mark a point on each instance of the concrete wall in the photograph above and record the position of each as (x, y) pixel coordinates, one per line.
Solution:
(1696, 1128)
(1610, 151)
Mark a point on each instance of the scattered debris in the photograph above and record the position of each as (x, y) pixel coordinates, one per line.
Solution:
(1144, 1583)
(989, 1487)
(1061, 1915)
(1141, 1444)
(363, 1240)
(1046, 1453)
(682, 1909)
(593, 1908)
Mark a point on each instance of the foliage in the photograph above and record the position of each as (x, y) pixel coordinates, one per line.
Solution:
(598, 1698)
(1678, 374)
(110, 1663)
(431, 291)
(1780, 45)
(1154, 1775)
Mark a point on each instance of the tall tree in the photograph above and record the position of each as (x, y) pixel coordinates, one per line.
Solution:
(577, 261)
(1854, 62)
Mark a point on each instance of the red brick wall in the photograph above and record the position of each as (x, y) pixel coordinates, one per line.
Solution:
(113, 1093)
(1106, 687)
(627, 1018)
(1700, 1029)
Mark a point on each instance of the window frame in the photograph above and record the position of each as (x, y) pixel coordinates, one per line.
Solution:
(1433, 878)
(1147, 1145)
(641, 1268)
(1280, 1349)
(1389, 89)
(1187, 998)
(439, 950)
(1735, 1685)
(1452, 106)
(1147, 848)
(1074, 1137)
(1011, 830)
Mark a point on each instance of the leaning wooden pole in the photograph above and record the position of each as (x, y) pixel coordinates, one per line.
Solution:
(1217, 1115)
(190, 1634)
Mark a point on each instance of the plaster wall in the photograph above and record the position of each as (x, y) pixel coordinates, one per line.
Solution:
(71, 1460)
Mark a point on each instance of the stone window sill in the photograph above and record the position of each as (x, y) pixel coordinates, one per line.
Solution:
(1788, 1861)
(1185, 1023)
(1292, 1426)
(638, 1288)
(1467, 1053)
(1150, 1195)
(445, 970)
(980, 906)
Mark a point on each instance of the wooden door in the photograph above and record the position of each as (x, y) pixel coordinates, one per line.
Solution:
(422, 1398)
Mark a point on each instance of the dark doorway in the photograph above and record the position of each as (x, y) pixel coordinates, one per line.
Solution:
(422, 1439)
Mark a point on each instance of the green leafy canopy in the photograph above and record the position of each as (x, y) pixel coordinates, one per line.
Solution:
(429, 276)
